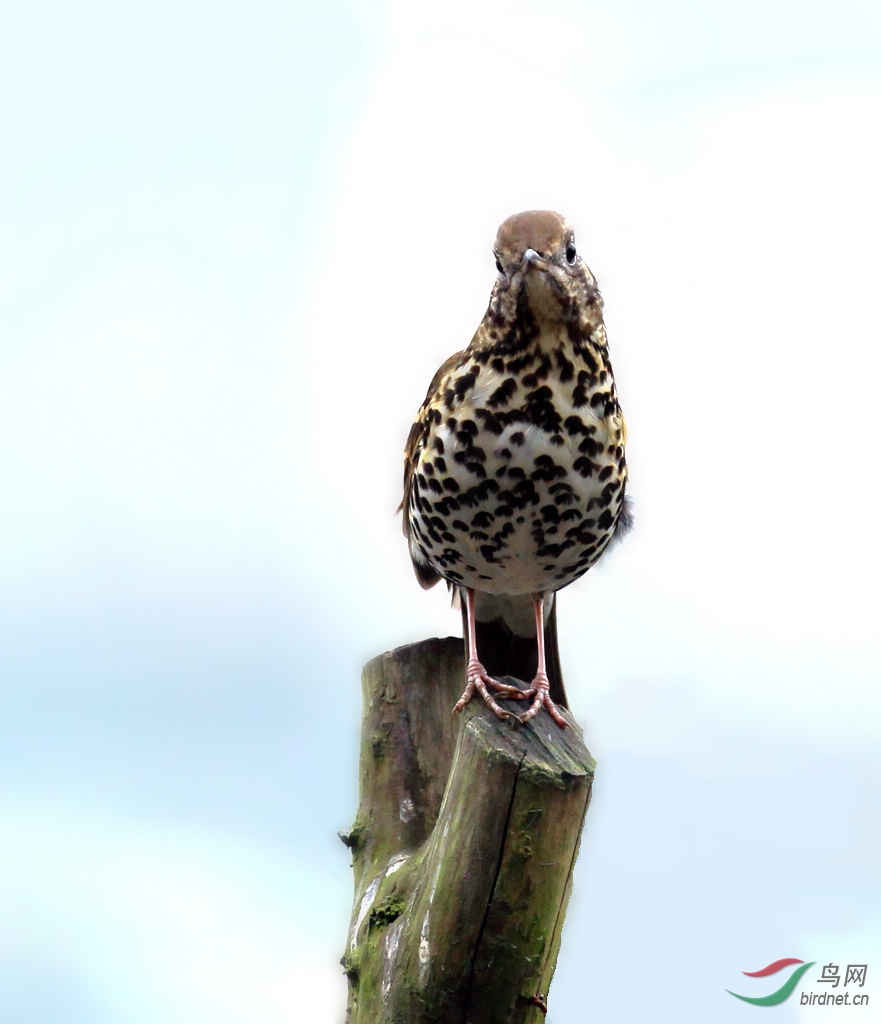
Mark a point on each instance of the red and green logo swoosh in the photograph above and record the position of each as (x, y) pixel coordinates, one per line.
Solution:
(785, 990)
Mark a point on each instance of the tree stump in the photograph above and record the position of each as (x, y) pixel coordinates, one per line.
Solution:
(463, 848)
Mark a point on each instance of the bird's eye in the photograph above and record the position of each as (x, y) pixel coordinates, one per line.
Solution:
(570, 252)
(499, 266)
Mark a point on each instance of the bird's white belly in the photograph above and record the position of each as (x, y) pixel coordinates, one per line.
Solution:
(532, 524)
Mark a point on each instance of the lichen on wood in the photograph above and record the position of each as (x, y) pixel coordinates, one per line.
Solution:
(463, 849)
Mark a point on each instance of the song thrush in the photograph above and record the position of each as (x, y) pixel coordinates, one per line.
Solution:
(514, 470)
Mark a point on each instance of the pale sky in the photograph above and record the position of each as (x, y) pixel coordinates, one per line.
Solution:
(235, 243)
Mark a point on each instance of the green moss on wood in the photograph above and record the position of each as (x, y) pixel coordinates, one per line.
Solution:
(351, 965)
(390, 908)
(354, 838)
(378, 742)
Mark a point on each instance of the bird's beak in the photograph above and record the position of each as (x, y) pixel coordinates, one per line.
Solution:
(532, 259)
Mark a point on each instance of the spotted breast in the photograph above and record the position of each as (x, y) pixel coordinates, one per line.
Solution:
(515, 473)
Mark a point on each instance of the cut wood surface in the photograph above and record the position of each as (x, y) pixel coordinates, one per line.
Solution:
(463, 848)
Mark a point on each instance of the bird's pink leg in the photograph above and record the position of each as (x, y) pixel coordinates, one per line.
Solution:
(478, 679)
(541, 684)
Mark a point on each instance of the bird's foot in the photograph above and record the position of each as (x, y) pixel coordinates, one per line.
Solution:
(479, 680)
(540, 688)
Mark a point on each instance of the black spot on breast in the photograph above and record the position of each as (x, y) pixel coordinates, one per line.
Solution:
(526, 494)
(451, 485)
(446, 505)
(581, 534)
(500, 535)
(566, 370)
(508, 416)
(479, 493)
(438, 445)
(520, 362)
(546, 469)
(482, 520)
(609, 492)
(489, 421)
(575, 425)
(502, 393)
(564, 498)
(518, 437)
(465, 383)
(440, 465)
(434, 485)
(549, 551)
(541, 410)
(583, 466)
(589, 359)
(540, 373)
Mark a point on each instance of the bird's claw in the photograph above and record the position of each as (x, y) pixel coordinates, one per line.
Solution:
(541, 689)
(480, 680)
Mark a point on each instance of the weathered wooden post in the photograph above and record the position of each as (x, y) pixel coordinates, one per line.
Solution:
(463, 848)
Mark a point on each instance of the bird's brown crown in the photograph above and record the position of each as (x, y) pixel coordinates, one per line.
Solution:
(542, 230)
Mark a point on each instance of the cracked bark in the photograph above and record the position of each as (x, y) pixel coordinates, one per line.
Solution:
(463, 849)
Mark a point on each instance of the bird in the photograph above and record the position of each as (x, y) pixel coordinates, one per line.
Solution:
(515, 473)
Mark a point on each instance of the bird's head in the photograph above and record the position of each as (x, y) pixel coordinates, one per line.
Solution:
(535, 253)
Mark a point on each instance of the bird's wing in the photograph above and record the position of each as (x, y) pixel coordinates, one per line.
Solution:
(415, 443)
